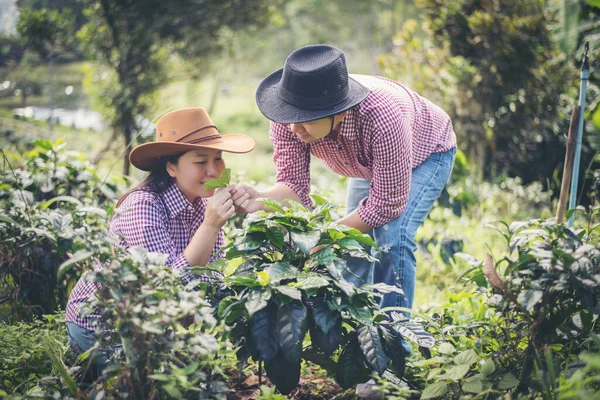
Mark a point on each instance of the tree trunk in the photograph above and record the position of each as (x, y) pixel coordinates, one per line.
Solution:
(126, 164)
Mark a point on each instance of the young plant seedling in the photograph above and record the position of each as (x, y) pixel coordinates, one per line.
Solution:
(222, 182)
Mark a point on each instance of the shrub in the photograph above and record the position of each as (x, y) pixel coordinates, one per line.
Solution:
(289, 281)
(36, 236)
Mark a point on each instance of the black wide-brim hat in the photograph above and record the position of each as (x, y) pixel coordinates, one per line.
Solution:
(312, 84)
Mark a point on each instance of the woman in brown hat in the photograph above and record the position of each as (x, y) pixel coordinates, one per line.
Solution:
(171, 211)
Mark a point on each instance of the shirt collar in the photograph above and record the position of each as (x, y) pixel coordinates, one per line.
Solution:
(177, 203)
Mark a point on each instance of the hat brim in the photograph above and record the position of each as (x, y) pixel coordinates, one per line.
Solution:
(145, 155)
(276, 109)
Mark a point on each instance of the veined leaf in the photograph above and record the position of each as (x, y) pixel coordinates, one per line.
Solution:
(214, 184)
(507, 381)
(289, 291)
(438, 389)
(257, 300)
(226, 176)
(312, 282)
(79, 256)
(276, 236)
(325, 319)
(264, 332)
(372, 347)
(350, 369)
(292, 325)
(306, 240)
(280, 271)
(467, 357)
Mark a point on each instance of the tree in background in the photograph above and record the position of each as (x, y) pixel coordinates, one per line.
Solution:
(133, 40)
(506, 79)
(48, 33)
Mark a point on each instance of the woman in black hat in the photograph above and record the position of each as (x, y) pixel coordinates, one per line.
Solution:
(397, 147)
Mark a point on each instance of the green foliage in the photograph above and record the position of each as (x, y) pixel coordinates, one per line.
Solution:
(53, 210)
(545, 291)
(290, 282)
(46, 32)
(492, 66)
(24, 353)
(169, 336)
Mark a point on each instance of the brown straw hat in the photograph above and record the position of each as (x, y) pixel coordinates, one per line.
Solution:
(184, 130)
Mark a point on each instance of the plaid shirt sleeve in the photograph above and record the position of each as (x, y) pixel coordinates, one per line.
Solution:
(392, 170)
(142, 224)
(292, 161)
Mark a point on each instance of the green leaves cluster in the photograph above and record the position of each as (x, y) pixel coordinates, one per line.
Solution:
(54, 209)
(545, 292)
(286, 272)
(221, 182)
(167, 329)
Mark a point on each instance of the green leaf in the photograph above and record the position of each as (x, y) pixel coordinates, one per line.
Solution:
(190, 369)
(276, 236)
(438, 389)
(306, 240)
(160, 377)
(289, 291)
(350, 369)
(311, 282)
(361, 313)
(226, 176)
(80, 255)
(466, 357)
(325, 319)
(257, 300)
(281, 271)
(68, 199)
(455, 373)
(264, 332)
(372, 348)
(529, 298)
(446, 348)
(214, 184)
(473, 384)
(507, 381)
(488, 367)
(292, 324)
(273, 205)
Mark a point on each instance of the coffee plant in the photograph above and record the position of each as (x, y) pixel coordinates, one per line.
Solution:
(288, 282)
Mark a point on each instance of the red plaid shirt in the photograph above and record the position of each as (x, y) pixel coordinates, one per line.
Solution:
(382, 139)
(160, 223)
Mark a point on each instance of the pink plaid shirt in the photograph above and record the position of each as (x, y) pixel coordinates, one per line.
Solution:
(382, 139)
(160, 223)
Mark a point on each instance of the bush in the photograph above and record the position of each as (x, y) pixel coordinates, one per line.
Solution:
(36, 236)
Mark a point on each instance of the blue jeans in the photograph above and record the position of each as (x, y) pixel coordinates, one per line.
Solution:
(81, 340)
(396, 239)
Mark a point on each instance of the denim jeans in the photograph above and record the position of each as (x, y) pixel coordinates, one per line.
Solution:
(81, 340)
(396, 239)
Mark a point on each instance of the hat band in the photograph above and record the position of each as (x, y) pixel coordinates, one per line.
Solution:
(203, 138)
(312, 103)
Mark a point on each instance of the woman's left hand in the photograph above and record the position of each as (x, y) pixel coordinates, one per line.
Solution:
(219, 208)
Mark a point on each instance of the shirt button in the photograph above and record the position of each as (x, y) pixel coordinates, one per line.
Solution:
(347, 163)
(340, 148)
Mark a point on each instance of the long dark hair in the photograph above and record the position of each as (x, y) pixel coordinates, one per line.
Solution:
(158, 180)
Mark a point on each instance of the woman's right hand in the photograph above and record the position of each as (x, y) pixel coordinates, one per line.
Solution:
(219, 208)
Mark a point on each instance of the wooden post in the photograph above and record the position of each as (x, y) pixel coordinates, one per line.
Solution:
(568, 168)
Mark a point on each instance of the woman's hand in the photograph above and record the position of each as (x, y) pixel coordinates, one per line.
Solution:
(219, 208)
(245, 199)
